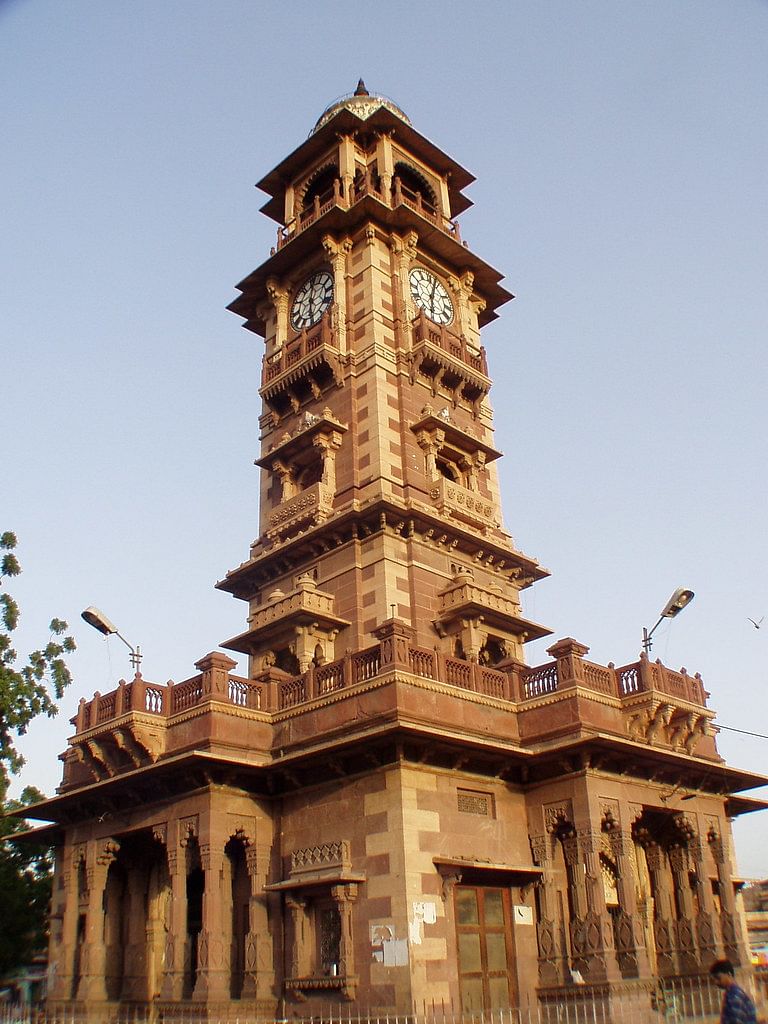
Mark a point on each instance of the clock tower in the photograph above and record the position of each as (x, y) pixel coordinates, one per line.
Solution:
(390, 813)
(380, 502)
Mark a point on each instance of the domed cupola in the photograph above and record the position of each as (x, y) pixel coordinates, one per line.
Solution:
(362, 104)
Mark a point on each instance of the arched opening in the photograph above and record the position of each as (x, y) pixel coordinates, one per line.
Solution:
(309, 475)
(492, 652)
(287, 661)
(321, 186)
(448, 469)
(414, 186)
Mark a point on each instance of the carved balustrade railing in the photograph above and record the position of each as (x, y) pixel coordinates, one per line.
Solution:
(320, 680)
(274, 690)
(150, 698)
(298, 349)
(336, 196)
(454, 345)
(641, 676)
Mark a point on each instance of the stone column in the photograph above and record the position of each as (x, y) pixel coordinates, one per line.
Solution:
(706, 934)
(296, 907)
(280, 300)
(61, 952)
(688, 960)
(592, 932)
(462, 288)
(212, 977)
(553, 960)
(404, 252)
(175, 925)
(287, 483)
(628, 930)
(430, 442)
(92, 987)
(337, 253)
(663, 917)
(344, 896)
(728, 918)
(257, 926)
(327, 445)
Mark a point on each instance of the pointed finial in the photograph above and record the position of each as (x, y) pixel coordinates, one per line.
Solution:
(361, 90)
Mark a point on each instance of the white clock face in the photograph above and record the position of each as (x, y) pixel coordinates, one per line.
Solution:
(430, 295)
(312, 300)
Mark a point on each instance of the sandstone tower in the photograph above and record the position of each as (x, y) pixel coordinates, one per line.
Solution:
(391, 810)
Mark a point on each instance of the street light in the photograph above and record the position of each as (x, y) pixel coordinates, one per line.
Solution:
(100, 621)
(673, 607)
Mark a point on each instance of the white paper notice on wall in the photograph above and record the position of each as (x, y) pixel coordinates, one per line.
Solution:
(395, 952)
(426, 911)
(523, 914)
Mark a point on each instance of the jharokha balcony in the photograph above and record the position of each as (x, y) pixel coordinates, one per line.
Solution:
(638, 711)
(305, 365)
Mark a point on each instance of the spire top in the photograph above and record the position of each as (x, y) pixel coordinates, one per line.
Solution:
(361, 90)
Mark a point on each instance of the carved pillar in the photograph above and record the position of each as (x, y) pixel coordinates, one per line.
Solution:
(462, 289)
(212, 976)
(688, 960)
(327, 445)
(663, 917)
(473, 637)
(92, 987)
(478, 466)
(63, 941)
(287, 483)
(175, 926)
(592, 932)
(706, 934)
(337, 253)
(430, 442)
(344, 896)
(728, 919)
(280, 300)
(296, 907)
(257, 925)
(553, 960)
(404, 252)
(628, 930)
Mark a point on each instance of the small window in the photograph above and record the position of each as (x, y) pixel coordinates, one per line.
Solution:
(473, 802)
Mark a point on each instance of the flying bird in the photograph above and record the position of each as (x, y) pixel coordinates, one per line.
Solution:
(756, 624)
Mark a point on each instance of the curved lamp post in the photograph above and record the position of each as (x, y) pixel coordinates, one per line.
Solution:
(100, 621)
(673, 607)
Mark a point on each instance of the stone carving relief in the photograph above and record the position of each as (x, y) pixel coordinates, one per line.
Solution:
(558, 818)
(667, 724)
(189, 828)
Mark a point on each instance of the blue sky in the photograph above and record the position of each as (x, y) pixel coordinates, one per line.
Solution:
(620, 151)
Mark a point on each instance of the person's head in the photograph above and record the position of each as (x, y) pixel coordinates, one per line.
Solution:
(722, 973)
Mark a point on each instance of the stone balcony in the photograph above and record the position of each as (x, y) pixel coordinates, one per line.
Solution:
(643, 706)
(312, 505)
(305, 609)
(307, 364)
(447, 361)
(454, 501)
